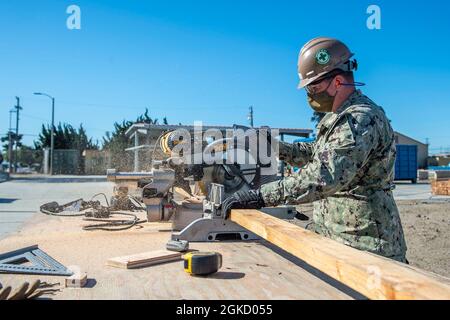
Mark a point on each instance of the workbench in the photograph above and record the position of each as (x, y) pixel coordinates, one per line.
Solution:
(251, 270)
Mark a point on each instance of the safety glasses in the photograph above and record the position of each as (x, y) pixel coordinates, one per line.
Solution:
(319, 85)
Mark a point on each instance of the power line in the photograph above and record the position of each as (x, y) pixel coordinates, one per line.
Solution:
(125, 107)
(29, 135)
(33, 117)
(43, 119)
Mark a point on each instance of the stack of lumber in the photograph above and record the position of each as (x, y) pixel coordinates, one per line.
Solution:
(440, 187)
(440, 182)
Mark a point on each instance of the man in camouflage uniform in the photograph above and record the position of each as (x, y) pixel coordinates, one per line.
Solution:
(348, 171)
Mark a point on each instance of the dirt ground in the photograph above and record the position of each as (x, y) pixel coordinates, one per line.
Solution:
(426, 224)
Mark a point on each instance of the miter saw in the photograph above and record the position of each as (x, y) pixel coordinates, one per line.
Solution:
(190, 195)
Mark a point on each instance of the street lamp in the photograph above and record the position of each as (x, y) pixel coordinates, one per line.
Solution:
(52, 142)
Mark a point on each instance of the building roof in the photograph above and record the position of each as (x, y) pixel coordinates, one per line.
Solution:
(405, 136)
(165, 127)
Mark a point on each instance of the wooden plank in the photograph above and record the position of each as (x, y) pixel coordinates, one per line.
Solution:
(128, 176)
(145, 259)
(373, 276)
(77, 280)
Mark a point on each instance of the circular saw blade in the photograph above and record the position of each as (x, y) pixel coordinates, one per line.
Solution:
(228, 178)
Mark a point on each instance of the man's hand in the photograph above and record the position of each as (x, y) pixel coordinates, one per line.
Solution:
(250, 199)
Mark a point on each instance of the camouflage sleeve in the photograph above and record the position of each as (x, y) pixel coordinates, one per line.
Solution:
(296, 154)
(334, 165)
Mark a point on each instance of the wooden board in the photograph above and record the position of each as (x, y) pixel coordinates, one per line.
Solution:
(371, 275)
(77, 280)
(128, 176)
(145, 259)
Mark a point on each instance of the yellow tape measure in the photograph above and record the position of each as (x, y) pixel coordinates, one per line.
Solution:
(202, 263)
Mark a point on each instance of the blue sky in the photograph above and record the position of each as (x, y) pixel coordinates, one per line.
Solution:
(211, 60)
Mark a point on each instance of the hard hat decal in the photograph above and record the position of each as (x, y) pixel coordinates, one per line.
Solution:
(322, 56)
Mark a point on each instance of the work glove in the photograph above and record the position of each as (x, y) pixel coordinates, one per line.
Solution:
(251, 199)
(27, 291)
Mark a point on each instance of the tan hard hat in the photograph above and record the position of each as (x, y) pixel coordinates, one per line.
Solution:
(320, 56)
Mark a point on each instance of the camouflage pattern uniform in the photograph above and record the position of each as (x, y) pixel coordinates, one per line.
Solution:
(348, 174)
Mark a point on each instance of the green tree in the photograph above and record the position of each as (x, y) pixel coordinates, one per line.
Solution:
(116, 141)
(117, 137)
(27, 155)
(15, 139)
(66, 137)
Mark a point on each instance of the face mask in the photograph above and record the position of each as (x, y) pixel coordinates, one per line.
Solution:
(321, 102)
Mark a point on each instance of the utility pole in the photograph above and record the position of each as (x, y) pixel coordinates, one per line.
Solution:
(10, 142)
(250, 116)
(52, 138)
(18, 108)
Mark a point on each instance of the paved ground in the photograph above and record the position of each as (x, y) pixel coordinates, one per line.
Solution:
(21, 197)
(419, 191)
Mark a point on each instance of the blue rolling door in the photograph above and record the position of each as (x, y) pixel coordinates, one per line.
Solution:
(406, 163)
